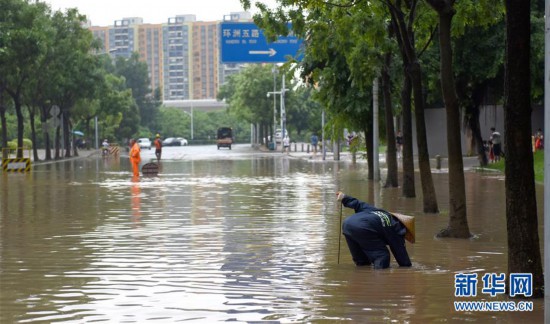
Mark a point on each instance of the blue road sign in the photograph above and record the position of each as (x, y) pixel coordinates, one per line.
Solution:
(246, 43)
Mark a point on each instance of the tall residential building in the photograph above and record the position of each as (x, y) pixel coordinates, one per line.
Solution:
(177, 58)
(206, 60)
(101, 34)
(182, 55)
(123, 37)
(150, 49)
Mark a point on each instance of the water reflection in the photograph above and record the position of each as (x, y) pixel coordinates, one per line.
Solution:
(227, 240)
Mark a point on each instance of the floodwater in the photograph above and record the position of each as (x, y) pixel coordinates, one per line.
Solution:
(231, 236)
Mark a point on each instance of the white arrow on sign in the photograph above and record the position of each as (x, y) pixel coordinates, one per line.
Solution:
(271, 52)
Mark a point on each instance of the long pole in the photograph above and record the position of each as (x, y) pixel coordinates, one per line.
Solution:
(274, 109)
(375, 156)
(192, 137)
(339, 232)
(323, 142)
(283, 114)
(547, 160)
(96, 136)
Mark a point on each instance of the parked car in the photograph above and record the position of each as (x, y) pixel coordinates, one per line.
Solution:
(171, 141)
(183, 141)
(144, 143)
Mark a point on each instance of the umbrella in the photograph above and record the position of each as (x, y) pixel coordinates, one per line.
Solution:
(78, 133)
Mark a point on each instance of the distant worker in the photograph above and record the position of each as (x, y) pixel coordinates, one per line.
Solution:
(135, 157)
(158, 147)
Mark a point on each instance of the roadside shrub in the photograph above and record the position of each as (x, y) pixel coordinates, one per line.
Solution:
(27, 144)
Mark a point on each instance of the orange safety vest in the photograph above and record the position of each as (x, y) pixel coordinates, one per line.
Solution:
(158, 144)
(135, 156)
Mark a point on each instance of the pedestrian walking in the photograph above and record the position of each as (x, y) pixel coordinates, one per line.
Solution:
(496, 144)
(286, 144)
(314, 142)
(399, 142)
(135, 156)
(370, 229)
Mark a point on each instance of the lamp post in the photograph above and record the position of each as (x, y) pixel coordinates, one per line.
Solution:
(274, 71)
(190, 113)
(283, 111)
(96, 139)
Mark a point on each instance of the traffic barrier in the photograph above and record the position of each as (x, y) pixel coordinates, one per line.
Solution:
(15, 164)
(114, 150)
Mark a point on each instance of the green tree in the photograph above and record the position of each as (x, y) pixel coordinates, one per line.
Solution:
(137, 78)
(76, 76)
(173, 122)
(21, 48)
(446, 10)
(245, 93)
(403, 17)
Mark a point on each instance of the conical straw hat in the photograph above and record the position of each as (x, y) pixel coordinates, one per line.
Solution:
(408, 221)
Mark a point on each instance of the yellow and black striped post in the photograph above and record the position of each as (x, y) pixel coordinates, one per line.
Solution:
(114, 150)
(16, 165)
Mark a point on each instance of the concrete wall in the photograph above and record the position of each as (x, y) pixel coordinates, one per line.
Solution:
(490, 116)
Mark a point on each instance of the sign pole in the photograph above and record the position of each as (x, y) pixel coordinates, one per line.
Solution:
(546, 160)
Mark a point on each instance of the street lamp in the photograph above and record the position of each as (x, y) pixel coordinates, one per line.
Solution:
(190, 114)
(283, 112)
(274, 71)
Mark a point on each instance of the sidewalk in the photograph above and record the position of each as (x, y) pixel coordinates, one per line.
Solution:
(470, 162)
(42, 155)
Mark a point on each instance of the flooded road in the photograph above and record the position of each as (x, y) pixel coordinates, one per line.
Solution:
(230, 235)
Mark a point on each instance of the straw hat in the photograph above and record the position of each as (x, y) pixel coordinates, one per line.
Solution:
(408, 221)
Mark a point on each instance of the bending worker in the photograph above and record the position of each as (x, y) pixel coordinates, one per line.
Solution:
(370, 229)
(135, 157)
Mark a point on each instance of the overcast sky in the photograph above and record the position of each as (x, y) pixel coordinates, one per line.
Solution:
(105, 12)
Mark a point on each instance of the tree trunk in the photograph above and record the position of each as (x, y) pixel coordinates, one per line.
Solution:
(16, 97)
(473, 125)
(4, 125)
(405, 39)
(428, 189)
(458, 221)
(57, 144)
(409, 189)
(521, 205)
(391, 158)
(46, 132)
(33, 133)
(369, 145)
(66, 133)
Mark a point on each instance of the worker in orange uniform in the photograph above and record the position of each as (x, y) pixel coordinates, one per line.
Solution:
(158, 147)
(135, 157)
